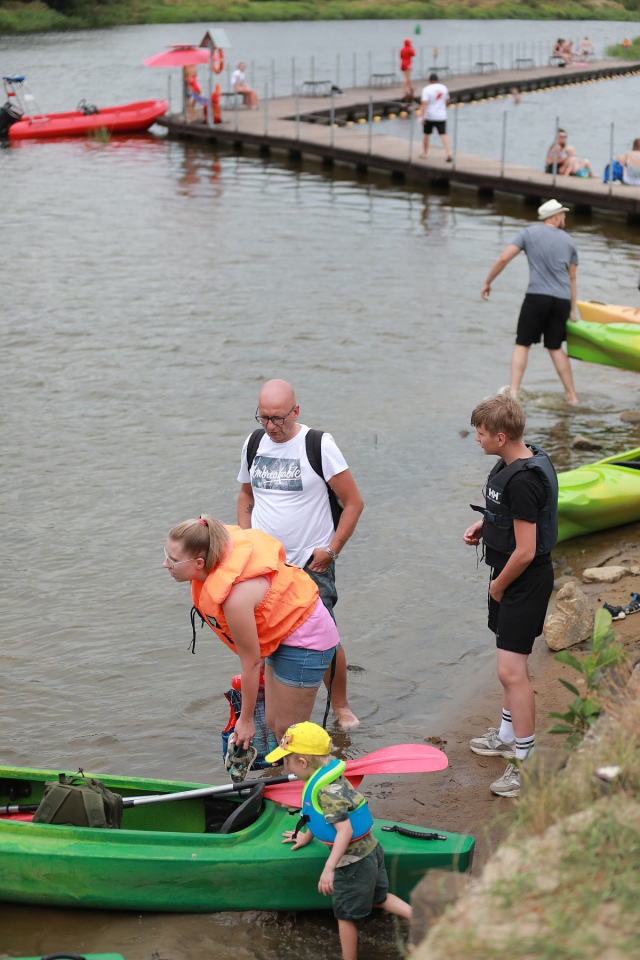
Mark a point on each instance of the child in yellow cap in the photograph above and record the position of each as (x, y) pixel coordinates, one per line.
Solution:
(337, 815)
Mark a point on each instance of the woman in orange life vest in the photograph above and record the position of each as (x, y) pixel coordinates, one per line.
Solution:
(261, 608)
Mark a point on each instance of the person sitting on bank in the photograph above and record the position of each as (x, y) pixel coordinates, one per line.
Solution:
(631, 165)
(566, 51)
(572, 166)
(337, 815)
(558, 51)
(556, 154)
(239, 85)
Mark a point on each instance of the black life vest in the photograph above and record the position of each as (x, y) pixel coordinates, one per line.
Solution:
(497, 529)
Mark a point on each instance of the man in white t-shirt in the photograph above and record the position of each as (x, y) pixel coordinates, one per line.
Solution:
(283, 495)
(433, 113)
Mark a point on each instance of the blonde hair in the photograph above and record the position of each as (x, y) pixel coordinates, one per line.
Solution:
(315, 760)
(204, 537)
(500, 415)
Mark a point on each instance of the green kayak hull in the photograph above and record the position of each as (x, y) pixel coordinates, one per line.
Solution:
(612, 344)
(163, 860)
(599, 496)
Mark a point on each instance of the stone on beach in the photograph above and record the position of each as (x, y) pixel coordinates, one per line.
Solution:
(571, 620)
(585, 443)
(604, 574)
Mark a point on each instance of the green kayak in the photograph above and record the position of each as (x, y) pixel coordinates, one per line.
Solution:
(603, 336)
(175, 856)
(599, 495)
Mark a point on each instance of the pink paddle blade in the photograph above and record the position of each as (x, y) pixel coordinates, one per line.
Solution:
(403, 758)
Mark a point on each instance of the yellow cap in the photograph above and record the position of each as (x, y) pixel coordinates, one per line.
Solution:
(304, 737)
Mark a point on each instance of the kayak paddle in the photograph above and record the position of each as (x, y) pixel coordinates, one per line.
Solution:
(287, 790)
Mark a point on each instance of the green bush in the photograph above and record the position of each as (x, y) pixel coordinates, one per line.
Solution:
(605, 652)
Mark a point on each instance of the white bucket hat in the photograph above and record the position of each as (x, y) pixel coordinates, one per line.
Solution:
(550, 208)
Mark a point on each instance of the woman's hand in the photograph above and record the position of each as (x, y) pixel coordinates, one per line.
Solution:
(245, 731)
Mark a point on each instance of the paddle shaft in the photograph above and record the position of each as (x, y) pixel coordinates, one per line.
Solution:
(226, 788)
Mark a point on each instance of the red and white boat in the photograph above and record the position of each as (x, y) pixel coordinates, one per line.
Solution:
(21, 118)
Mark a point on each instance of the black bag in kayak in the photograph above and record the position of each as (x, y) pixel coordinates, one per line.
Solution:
(79, 801)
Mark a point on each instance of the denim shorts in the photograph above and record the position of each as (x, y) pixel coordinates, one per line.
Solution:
(299, 667)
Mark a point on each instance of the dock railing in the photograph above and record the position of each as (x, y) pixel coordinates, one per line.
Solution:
(376, 68)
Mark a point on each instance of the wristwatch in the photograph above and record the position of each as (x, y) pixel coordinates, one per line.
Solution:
(334, 556)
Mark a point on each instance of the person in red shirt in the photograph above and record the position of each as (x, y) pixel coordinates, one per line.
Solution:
(407, 53)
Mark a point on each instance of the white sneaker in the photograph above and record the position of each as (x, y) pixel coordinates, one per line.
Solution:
(509, 783)
(490, 745)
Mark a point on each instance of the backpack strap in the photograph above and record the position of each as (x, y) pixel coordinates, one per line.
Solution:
(253, 444)
(313, 443)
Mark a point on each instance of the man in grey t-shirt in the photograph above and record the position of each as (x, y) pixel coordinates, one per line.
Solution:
(550, 299)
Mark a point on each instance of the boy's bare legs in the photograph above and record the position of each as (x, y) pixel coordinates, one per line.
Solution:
(563, 369)
(447, 145)
(425, 146)
(519, 360)
(348, 939)
(396, 906)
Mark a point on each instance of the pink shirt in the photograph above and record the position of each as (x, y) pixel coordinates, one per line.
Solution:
(318, 632)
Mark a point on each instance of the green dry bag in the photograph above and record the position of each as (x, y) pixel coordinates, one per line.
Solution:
(79, 801)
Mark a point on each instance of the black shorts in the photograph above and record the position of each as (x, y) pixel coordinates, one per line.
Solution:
(440, 126)
(541, 314)
(519, 618)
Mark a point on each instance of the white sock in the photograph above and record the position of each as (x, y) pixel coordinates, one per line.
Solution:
(506, 733)
(524, 746)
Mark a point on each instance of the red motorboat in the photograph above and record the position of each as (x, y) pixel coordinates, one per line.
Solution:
(21, 118)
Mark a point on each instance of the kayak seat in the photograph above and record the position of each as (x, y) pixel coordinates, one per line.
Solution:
(248, 811)
(221, 813)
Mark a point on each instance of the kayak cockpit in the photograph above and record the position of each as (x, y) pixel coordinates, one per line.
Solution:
(200, 815)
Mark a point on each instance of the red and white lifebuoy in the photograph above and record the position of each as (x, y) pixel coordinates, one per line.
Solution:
(217, 60)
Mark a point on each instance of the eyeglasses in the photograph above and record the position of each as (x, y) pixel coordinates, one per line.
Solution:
(276, 421)
(174, 563)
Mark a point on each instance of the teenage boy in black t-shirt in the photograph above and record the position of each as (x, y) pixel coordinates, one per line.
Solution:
(519, 529)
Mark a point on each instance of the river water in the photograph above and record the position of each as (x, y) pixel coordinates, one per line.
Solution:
(149, 287)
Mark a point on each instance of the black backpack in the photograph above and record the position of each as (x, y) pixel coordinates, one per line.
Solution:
(313, 443)
(79, 801)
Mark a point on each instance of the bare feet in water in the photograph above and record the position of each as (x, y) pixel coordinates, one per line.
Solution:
(346, 718)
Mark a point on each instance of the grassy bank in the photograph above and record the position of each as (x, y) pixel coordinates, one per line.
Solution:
(75, 14)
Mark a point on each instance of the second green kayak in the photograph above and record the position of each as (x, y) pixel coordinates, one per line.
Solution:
(599, 495)
(604, 336)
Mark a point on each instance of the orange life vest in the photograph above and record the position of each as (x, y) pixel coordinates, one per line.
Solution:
(290, 600)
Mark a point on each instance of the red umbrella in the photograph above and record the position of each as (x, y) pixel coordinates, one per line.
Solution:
(180, 55)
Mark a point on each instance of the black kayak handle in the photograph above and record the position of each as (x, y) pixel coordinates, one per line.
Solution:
(403, 831)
